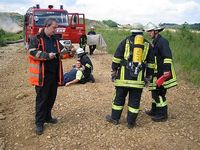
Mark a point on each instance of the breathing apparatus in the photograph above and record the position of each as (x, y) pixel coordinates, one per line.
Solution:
(135, 57)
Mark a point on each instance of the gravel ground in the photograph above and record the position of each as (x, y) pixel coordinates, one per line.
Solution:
(81, 110)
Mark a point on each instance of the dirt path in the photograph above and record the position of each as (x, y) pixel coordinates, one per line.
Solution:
(81, 110)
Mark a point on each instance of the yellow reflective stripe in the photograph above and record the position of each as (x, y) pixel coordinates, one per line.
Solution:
(114, 95)
(116, 60)
(129, 83)
(122, 73)
(167, 60)
(139, 78)
(133, 110)
(173, 71)
(170, 85)
(88, 65)
(149, 65)
(146, 49)
(115, 107)
(161, 104)
(169, 81)
(152, 85)
(127, 50)
(156, 66)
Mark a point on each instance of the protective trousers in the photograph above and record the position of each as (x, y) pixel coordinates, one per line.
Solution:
(159, 103)
(45, 98)
(133, 103)
(92, 48)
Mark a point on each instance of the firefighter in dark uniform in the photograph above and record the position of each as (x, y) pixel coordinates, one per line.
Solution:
(45, 72)
(164, 66)
(88, 67)
(92, 47)
(83, 42)
(132, 65)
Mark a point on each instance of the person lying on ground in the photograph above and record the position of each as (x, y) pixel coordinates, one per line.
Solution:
(74, 75)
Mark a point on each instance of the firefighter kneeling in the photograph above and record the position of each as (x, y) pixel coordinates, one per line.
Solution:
(131, 65)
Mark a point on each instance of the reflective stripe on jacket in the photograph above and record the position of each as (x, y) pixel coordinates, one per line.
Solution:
(163, 63)
(37, 56)
(124, 79)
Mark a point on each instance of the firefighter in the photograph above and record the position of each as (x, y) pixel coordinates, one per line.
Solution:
(88, 67)
(92, 32)
(164, 66)
(45, 72)
(83, 42)
(132, 65)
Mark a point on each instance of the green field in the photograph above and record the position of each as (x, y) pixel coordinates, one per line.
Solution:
(185, 47)
(7, 36)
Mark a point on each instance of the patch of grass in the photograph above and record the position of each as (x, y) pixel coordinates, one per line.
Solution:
(7, 36)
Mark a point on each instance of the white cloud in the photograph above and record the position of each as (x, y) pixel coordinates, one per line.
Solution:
(124, 12)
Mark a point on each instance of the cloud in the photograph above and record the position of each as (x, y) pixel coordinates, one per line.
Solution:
(123, 12)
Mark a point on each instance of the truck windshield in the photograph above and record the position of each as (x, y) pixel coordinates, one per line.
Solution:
(41, 16)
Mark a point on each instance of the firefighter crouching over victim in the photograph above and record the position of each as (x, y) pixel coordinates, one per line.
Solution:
(132, 65)
(88, 67)
(45, 72)
(74, 75)
(164, 67)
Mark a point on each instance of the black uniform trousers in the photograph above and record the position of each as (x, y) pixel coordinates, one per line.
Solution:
(159, 96)
(133, 102)
(92, 48)
(45, 98)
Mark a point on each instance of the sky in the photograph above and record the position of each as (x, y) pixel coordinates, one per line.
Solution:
(120, 11)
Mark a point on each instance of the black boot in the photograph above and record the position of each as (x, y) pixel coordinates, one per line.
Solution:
(114, 117)
(39, 129)
(161, 114)
(111, 120)
(152, 112)
(92, 80)
(131, 119)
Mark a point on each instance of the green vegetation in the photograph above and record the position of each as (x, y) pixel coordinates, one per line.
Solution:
(7, 36)
(110, 23)
(2, 40)
(185, 47)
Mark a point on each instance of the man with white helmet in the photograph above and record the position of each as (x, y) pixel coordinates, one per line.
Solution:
(131, 63)
(87, 63)
(92, 47)
(163, 67)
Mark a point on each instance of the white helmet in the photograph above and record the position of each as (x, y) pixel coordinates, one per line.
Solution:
(92, 27)
(150, 26)
(137, 28)
(80, 51)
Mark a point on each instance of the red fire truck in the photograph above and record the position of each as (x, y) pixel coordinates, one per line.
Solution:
(71, 25)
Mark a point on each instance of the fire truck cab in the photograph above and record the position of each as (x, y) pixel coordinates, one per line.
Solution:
(71, 26)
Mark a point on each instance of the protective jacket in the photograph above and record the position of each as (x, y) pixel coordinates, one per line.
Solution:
(40, 62)
(163, 63)
(85, 61)
(124, 56)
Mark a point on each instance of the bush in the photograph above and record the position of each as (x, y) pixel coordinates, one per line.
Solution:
(2, 40)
